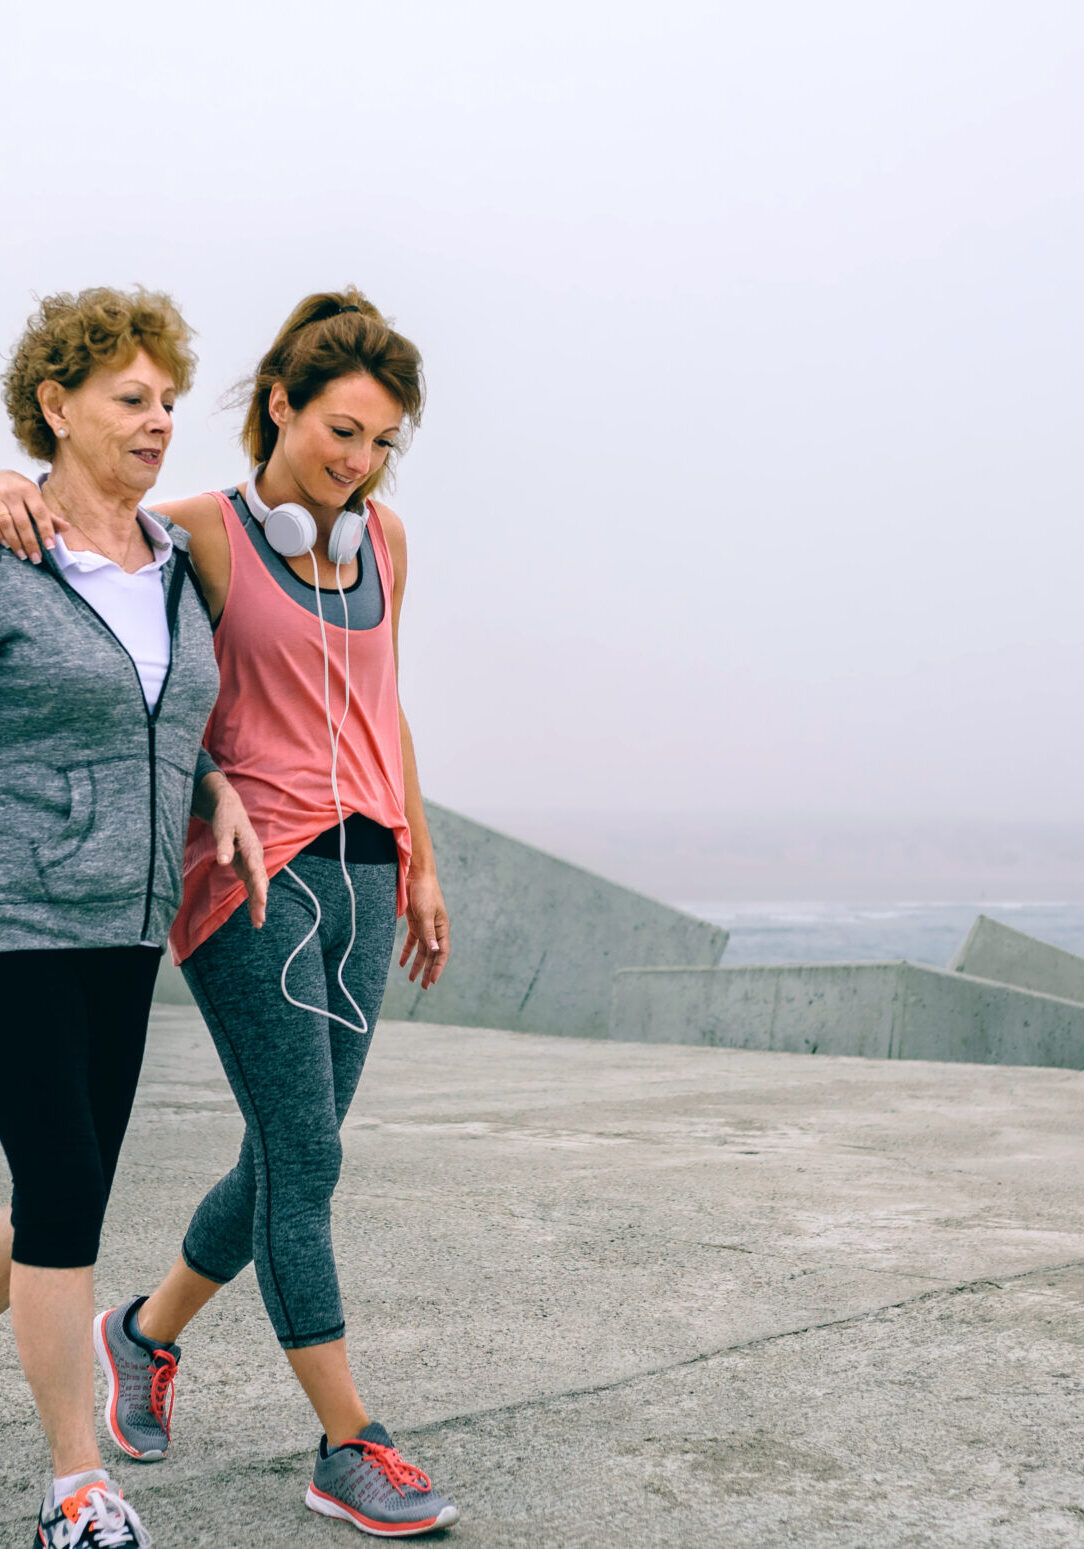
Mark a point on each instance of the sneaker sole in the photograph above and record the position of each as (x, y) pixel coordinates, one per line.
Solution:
(105, 1361)
(327, 1506)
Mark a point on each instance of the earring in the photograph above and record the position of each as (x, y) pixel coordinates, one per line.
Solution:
(62, 432)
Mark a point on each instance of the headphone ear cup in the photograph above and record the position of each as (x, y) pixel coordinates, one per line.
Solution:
(346, 536)
(290, 530)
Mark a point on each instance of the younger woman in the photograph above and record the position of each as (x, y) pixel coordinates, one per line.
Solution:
(307, 646)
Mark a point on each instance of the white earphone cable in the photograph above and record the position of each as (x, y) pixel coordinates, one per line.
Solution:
(334, 734)
(335, 786)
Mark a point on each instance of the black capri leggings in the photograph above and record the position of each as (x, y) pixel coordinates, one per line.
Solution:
(73, 1025)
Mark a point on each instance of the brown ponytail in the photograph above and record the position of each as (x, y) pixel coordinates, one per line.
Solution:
(329, 335)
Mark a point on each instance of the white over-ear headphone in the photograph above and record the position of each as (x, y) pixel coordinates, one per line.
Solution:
(291, 530)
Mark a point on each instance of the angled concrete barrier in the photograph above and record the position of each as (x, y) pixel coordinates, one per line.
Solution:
(806, 1009)
(884, 1010)
(535, 941)
(996, 951)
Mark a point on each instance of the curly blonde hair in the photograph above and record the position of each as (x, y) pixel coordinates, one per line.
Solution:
(71, 336)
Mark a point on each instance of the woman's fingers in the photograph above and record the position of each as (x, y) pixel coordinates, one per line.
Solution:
(414, 944)
(17, 534)
(249, 866)
(427, 936)
(18, 515)
(408, 945)
(439, 948)
(431, 935)
(420, 955)
(237, 845)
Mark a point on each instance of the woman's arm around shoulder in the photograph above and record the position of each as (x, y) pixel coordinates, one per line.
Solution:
(209, 550)
(25, 518)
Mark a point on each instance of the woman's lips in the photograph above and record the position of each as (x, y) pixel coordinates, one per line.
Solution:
(151, 458)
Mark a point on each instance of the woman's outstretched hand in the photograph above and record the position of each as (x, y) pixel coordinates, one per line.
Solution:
(427, 936)
(236, 841)
(21, 506)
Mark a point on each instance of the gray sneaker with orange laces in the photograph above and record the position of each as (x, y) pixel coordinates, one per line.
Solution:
(140, 1375)
(94, 1516)
(366, 1482)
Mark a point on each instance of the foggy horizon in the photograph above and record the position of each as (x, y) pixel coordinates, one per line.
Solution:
(699, 860)
(748, 487)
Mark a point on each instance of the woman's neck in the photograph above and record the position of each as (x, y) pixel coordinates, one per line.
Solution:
(276, 491)
(277, 486)
(106, 520)
(70, 490)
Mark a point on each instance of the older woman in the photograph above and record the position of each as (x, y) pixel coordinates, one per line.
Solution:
(107, 678)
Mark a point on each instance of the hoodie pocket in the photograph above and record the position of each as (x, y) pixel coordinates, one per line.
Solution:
(102, 852)
(30, 793)
(174, 813)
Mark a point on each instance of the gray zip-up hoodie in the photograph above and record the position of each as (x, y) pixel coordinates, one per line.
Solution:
(95, 789)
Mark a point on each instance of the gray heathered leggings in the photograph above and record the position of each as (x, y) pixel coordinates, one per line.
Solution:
(293, 1074)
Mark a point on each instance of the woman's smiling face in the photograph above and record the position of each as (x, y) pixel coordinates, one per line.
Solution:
(341, 437)
(116, 426)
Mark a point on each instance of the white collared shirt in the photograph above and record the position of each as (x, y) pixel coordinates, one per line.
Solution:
(134, 606)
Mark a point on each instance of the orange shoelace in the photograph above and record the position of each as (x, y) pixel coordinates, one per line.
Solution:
(165, 1371)
(101, 1508)
(400, 1474)
(74, 1505)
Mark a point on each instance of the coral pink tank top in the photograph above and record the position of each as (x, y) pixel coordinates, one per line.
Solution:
(268, 730)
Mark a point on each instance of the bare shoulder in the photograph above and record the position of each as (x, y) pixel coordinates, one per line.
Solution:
(201, 518)
(395, 533)
(391, 522)
(199, 515)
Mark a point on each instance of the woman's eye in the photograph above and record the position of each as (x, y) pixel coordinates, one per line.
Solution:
(389, 446)
(335, 431)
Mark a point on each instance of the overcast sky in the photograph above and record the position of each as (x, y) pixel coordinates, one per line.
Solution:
(750, 480)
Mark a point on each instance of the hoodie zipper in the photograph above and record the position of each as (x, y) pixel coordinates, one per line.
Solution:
(176, 581)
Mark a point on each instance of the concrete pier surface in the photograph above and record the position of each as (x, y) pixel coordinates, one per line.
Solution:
(632, 1294)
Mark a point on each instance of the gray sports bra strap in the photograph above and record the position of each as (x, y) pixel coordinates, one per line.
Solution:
(364, 599)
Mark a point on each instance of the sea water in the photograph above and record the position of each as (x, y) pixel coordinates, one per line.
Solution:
(862, 933)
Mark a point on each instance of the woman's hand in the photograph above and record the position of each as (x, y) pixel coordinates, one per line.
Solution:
(427, 929)
(21, 499)
(217, 803)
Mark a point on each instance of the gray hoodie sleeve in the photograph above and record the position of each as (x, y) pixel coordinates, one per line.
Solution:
(205, 765)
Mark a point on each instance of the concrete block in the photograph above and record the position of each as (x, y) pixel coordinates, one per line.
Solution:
(535, 941)
(803, 1009)
(885, 1010)
(952, 1016)
(996, 951)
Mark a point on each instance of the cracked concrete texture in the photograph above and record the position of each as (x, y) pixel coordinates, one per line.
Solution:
(614, 1293)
